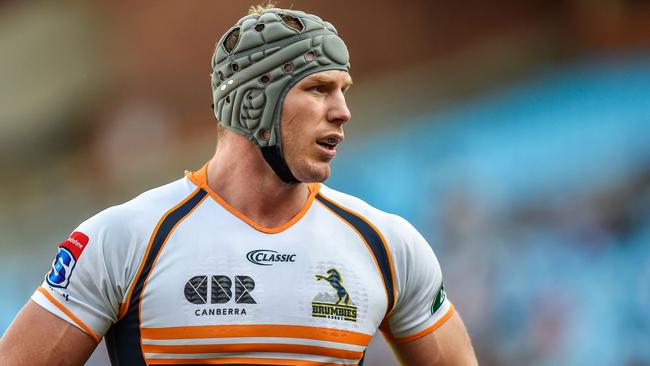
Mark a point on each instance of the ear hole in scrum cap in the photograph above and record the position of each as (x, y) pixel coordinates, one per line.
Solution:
(231, 40)
(292, 22)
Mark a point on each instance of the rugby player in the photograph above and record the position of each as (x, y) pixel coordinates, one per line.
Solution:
(224, 266)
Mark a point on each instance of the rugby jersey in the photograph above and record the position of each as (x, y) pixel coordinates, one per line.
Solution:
(178, 276)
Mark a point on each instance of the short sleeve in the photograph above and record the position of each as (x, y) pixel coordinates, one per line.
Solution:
(88, 278)
(421, 305)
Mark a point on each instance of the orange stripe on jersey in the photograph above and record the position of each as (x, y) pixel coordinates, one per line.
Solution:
(238, 361)
(424, 332)
(258, 330)
(254, 347)
(67, 312)
(200, 178)
(124, 307)
(383, 242)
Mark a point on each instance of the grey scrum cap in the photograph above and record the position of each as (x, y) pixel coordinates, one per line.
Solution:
(251, 78)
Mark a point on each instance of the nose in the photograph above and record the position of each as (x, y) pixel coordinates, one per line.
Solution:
(338, 111)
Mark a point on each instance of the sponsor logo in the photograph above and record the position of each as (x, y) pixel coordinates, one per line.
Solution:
(66, 259)
(218, 289)
(266, 257)
(441, 295)
(219, 311)
(334, 306)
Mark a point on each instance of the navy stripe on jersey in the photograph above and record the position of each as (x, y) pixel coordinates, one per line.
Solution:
(123, 338)
(362, 359)
(374, 240)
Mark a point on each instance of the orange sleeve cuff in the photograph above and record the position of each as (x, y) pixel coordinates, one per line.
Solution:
(67, 312)
(423, 332)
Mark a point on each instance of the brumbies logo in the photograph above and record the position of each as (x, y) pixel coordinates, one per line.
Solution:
(65, 260)
(339, 306)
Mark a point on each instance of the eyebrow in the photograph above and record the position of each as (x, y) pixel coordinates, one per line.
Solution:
(324, 80)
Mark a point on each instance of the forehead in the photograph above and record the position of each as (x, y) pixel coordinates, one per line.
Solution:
(340, 77)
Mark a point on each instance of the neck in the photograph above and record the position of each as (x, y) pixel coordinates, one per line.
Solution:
(240, 175)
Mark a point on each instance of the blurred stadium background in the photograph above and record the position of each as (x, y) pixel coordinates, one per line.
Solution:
(515, 135)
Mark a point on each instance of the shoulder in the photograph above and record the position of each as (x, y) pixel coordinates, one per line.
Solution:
(405, 248)
(396, 230)
(136, 218)
(405, 259)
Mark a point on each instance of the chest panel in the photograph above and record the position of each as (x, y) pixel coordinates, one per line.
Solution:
(215, 269)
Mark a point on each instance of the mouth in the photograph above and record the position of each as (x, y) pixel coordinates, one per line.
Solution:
(328, 145)
(330, 142)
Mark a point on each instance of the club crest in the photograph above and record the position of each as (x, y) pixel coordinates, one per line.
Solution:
(333, 305)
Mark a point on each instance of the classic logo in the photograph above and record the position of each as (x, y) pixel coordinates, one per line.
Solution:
(334, 306)
(267, 257)
(65, 260)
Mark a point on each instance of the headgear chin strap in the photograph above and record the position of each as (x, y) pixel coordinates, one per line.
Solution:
(251, 79)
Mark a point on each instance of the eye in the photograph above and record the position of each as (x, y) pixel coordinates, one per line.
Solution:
(320, 89)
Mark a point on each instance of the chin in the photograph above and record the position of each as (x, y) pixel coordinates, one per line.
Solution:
(314, 174)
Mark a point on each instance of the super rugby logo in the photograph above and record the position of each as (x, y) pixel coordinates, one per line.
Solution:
(266, 257)
(65, 260)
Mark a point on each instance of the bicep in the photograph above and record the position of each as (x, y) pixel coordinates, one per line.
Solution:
(449, 345)
(38, 337)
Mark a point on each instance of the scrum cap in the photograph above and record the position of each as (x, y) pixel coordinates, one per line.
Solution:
(251, 78)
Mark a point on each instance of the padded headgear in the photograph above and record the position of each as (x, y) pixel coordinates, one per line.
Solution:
(251, 79)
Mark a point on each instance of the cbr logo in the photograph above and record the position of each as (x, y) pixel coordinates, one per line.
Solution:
(196, 290)
(266, 257)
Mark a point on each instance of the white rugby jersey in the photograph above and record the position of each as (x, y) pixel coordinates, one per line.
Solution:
(178, 276)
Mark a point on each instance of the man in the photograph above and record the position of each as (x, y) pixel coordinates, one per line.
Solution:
(223, 266)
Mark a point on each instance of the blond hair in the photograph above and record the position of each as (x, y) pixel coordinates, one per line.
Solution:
(259, 9)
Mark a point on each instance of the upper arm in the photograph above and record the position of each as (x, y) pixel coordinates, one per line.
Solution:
(449, 345)
(38, 337)
(424, 327)
(421, 304)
